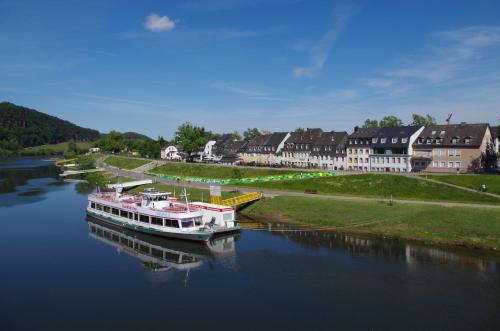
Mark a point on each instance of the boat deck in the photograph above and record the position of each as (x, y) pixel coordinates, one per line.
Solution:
(131, 199)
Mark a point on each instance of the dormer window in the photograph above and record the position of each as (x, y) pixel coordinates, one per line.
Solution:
(374, 140)
(433, 132)
(467, 140)
(394, 140)
(454, 140)
(439, 141)
(428, 141)
(383, 140)
(404, 140)
(420, 140)
(443, 132)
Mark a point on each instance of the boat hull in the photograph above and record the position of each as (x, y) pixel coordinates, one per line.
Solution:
(192, 236)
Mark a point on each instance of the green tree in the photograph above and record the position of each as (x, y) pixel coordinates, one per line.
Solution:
(190, 137)
(299, 130)
(370, 123)
(85, 162)
(251, 133)
(112, 142)
(72, 147)
(390, 121)
(423, 120)
(236, 135)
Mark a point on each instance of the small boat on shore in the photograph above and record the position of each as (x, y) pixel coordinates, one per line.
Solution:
(162, 214)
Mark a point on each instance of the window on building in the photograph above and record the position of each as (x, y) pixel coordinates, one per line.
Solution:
(383, 140)
(439, 141)
(404, 140)
(467, 140)
(374, 140)
(428, 141)
(436, 164)
(457, 164)
(458, 152)
(433, 132)
(450, 164)
(442, 164)
(451, 152)
(394, 140)
(454, 140)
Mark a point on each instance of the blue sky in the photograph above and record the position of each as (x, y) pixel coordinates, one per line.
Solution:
(149, 66)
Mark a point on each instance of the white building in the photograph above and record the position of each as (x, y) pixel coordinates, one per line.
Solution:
(392, 148)
(170, 153)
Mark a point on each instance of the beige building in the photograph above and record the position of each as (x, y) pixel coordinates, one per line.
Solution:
(359, 149)
(264, 149)
(455, 148)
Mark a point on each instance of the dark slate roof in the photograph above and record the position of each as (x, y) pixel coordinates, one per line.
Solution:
(363, 132)
(495, 131)
(275, 139)
(298, 138)
(397, 132)
(333, 141)
(474, 132)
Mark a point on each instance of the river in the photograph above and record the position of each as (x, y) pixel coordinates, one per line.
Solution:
(60, 270)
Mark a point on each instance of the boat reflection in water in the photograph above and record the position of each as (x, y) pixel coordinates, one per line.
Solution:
(160, 255)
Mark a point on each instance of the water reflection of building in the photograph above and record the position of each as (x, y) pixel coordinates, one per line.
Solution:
(412, 254)
(163, 256)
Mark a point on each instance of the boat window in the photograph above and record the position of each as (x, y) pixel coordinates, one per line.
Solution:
(157, 253)
(115, 211)
(144, 248)
(156, 221)
(171, 223)
(114, 237)
(144, 218)
(171, 257)
(98, 206)
(228, 216)
(198, 221)
(92, 205)
(131, 215)
(187, 223)
(106, 209)
(123, 213)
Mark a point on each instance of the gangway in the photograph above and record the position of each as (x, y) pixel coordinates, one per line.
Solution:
(238, 202)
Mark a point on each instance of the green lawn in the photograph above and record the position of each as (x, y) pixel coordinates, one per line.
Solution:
(53, 149)
(215, 171)
(125, 162)
(377, 185)
(471, 227)
(492, 182)
(195, 194)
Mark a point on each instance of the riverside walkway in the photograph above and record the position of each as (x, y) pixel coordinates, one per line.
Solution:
(271, 193)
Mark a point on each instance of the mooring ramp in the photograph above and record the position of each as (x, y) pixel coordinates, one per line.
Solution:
(79, 172)
(239, 201)
(130, 184)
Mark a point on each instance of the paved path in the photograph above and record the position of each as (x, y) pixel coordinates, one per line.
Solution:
(272, 193)
(455, 186)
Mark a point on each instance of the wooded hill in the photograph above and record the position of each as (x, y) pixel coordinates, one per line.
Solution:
(24, 127)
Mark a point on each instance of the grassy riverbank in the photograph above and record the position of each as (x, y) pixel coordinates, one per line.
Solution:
(469, 227)
(492, 182)
(216, 171)
(53, 149)
(378, 185)
(125, 162)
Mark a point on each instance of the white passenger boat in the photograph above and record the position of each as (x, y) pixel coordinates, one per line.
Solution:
(159, 213)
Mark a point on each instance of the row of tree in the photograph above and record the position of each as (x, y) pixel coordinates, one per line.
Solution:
(392, 121)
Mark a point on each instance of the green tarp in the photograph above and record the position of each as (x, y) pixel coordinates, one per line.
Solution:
(232, 181)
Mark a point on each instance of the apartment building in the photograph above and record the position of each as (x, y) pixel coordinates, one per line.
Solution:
(298, 147)
(456, 148)
(329, 151)
(265, 149)
(226, 149)
(391, 148)
(359, 149)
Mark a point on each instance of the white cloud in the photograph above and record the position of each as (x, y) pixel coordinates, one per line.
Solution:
(319, 52)
(252, 93)
(157, 23)
(451, 53)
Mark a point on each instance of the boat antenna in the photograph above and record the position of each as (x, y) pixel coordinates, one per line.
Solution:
(185, 195)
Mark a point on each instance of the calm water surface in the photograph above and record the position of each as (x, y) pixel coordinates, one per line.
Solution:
(60, 270)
